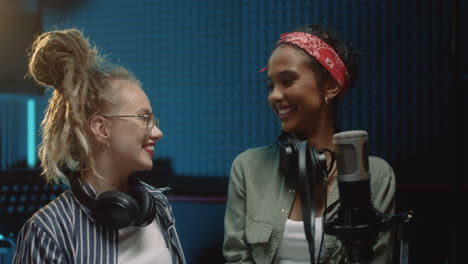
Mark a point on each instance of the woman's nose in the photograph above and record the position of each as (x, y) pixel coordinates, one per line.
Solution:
(275, 95)
(156, 133)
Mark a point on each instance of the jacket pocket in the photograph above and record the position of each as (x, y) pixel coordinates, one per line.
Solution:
(257, 232)
(257, 235)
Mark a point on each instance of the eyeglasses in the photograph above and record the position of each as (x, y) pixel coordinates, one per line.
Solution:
(150, 120)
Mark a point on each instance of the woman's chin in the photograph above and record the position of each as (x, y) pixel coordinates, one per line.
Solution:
(287, 127)
(146, 165)
(293, 129)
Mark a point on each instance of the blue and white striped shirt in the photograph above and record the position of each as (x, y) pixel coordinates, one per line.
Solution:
(64, 232)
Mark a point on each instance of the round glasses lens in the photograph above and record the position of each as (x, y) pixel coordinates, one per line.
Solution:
(150, 123)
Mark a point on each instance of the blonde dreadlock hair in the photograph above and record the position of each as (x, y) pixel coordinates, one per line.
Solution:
(66, 61)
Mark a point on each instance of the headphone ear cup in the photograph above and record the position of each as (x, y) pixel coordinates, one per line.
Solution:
(318, 164)
(116, 209)
(147, 209)
(289, 147)
(284, 161)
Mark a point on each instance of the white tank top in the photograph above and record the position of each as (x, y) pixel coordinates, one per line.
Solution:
(293, 248)
(143, 245)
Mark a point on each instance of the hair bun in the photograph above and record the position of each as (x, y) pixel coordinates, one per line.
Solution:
(59, 54)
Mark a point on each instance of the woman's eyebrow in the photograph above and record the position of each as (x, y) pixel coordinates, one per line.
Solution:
(282, 74)
(286, 73)
(144, 111)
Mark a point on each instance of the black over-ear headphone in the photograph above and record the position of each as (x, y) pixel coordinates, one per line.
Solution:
(316, 163)
(117, 209)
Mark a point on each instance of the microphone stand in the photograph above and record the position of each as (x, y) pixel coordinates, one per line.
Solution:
(358, 229)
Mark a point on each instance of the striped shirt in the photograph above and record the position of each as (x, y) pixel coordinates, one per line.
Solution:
(64, 232)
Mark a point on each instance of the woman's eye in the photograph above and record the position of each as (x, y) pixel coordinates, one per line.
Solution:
(288, 82)
(269, 85)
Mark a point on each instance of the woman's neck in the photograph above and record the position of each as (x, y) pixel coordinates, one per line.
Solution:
(113, 179)
(323, 138)
(321, 133)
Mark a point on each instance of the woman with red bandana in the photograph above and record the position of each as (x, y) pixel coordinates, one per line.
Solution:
(309, 71)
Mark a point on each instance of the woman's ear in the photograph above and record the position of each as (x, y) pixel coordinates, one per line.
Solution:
(98, 127)
(332, 88)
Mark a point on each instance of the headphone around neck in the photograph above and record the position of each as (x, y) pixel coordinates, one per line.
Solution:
(117, 209)
(316, 163)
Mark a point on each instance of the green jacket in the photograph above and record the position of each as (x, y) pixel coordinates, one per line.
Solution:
(259, 201)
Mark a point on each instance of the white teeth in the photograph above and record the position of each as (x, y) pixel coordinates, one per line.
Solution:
(284, 111)
(150, 148)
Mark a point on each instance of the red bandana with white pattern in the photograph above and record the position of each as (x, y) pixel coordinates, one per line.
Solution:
(323, 53)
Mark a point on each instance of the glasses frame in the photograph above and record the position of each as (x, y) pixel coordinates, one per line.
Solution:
(150, 116)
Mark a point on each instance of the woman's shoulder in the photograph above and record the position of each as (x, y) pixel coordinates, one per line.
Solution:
(258, 154)
(380, 167)
(382, 177)
(56, 214)
(256, 164)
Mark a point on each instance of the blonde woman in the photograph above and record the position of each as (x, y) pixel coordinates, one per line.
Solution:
(99, 127)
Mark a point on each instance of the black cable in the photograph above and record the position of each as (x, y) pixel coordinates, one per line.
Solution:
(324, 217)
(308, 207)
(308, 211)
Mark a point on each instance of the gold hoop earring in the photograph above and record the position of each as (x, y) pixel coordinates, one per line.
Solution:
(107, 151)
(326, 100)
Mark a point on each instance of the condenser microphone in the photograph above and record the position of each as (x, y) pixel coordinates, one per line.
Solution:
(358, 223)
(352, 161)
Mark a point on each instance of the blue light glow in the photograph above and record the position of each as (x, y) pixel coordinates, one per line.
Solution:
(31, 133)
